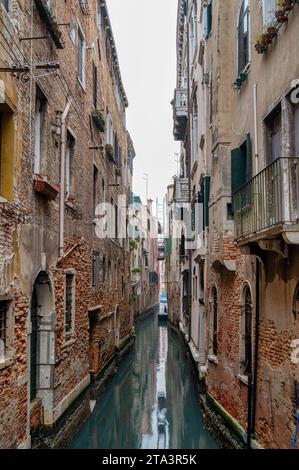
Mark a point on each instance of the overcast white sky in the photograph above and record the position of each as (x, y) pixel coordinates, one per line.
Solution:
(145, 36)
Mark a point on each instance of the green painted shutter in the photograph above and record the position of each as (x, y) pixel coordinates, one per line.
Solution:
(248, 158)
(207, 184)
(238, 169)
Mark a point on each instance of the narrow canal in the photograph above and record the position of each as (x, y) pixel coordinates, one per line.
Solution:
(152, 402)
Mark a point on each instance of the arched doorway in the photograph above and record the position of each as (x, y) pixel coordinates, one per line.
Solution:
(42, 341)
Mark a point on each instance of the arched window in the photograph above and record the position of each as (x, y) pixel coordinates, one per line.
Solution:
(243, 36)
(214, 322)
(246, 325)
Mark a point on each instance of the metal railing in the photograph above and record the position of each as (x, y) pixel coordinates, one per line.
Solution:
(270, 198)
(181, 99)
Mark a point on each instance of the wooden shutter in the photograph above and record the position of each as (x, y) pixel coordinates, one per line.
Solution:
(238, 169)
(95, 86)
(248, 158)
(207, 184)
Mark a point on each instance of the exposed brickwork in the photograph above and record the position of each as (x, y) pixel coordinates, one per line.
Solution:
(29, 230)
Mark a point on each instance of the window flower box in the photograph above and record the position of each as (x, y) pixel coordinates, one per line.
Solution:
(99, 120)
(110, 152)
(44, 188)
(266, 38)
(47, 15)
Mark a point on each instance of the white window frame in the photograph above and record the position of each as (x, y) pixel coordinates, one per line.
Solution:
(69, 334)
(83, 37)
(37, 137)
(249, 37)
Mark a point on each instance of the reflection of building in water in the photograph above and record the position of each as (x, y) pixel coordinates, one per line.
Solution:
(175, 392)
(145, 381)
(163, 425)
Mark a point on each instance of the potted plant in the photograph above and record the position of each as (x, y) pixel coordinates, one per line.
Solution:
(134, 244)
(110, 152)
(98, 119)
(118, 171)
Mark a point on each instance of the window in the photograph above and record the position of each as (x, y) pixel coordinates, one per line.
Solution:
(95, 188)
(3, 328)
(73, 31)
(246, 334)
(95, 86)
(69, 164)
(69, 302)
(208, 17)
(81, 56)
(6, 331)
(109, 129)
(241, 165)
(273, 136)
(95, 270)
(6, 4)
(269, 8)
(7, 130)
(243, 36)
(39, 126)
(123, 289)
(195, 130)
(214, 323)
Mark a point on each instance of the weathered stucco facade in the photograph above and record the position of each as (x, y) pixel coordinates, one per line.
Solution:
(65, 294)
(246, 144)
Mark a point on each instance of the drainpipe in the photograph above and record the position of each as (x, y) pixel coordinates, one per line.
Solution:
(62, 175)
(256, 147)
(252, 379)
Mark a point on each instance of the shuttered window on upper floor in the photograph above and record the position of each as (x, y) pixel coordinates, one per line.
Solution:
(208, 17)
(241, 165)
(7, 137)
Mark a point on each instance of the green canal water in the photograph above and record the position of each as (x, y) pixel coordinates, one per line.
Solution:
(152, 401)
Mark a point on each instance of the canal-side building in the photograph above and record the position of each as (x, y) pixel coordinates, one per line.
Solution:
(144, 257)
(244, 176)
(65, 277)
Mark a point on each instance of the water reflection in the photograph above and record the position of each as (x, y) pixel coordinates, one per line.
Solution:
(151, 403)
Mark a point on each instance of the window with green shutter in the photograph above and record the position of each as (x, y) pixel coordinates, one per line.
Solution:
(241, 165)
(207, 185)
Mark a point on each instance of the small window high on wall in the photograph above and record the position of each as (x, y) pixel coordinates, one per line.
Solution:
(269, 8)
(40, 130)
(243, 36)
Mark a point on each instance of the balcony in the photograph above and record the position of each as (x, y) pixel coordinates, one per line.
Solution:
(46, 13)
(180, 113)
(267, 207)
(182, 190)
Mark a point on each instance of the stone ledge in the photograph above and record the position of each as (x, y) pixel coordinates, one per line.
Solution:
(53, 415)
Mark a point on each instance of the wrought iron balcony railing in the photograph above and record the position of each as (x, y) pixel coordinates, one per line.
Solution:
(269, 202)
(180, 113)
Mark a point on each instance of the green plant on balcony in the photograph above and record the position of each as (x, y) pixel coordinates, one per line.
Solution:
(118, 171)
(99, 120)
(134, 244)
(243, 75)
(110, 152)
(47, 15)
(136, 270)
(133, 297)
(265, 39)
